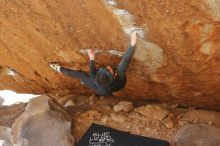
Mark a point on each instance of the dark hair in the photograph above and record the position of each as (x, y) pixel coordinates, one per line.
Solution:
(104, 77)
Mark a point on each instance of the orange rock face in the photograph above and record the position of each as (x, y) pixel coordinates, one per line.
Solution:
(177, 58)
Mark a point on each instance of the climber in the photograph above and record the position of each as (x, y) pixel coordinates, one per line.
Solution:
(105, 80)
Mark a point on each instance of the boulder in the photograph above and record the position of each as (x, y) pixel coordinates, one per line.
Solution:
(201, 116)
(5, 136)
(8, 114)
(43, 123)
(168, 121)
(125, 106)
(1, 100)
(176, 60)
(198, 135)
(153, 111)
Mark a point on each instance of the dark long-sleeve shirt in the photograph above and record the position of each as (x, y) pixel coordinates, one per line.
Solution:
(120, 79)
(89, 80)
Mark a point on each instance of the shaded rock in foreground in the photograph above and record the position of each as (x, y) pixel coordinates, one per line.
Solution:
(44, 123)
(202, 116)
(5, 136)
(1, 100)
(10, 113)
(198, 135)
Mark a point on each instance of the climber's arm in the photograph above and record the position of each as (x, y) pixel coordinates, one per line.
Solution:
(123, 65)
(92, 67)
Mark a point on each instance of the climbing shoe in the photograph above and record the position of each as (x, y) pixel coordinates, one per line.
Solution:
(55, 66)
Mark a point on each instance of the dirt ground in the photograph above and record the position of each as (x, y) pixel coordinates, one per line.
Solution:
(146, 118)
(161, 121)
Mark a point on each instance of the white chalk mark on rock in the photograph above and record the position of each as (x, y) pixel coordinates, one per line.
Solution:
(116, 53)
(127, 21)
(147, 52)
(206, 48)
(214, 6)
(84, 51)
(112, 2)
(10, 72)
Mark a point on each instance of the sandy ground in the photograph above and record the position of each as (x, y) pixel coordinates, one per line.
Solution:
(140, 117)
(161, 121)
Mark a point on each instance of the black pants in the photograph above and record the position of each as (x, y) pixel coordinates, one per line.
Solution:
(81, 75)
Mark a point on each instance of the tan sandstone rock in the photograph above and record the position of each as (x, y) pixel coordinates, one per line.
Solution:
(1, 100)
(43, 123)
(168, 121)
(125, 106)
(152, 111)
(198, 135)
(5, 136)
(69, 103)
(177, 57)
(202, 116)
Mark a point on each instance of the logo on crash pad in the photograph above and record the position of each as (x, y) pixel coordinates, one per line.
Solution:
(101, 139)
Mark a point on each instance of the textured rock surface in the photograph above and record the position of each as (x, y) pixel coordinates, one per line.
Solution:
(1, 100)
(8, 114)
(135, 123)
(202, 116)
(198, 135)
(153, 111)
(177, 57)
(43, 123)
(125, 106)
(102, 111)
(5, 136)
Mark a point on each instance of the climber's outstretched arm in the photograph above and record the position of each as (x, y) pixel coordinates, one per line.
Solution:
(123, 65)
(92, 67)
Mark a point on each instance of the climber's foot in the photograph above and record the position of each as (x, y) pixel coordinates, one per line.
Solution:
(55, 66)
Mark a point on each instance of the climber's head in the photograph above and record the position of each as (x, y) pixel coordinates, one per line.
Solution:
(105, 76)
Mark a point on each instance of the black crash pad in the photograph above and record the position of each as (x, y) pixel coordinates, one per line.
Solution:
(98, 135)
